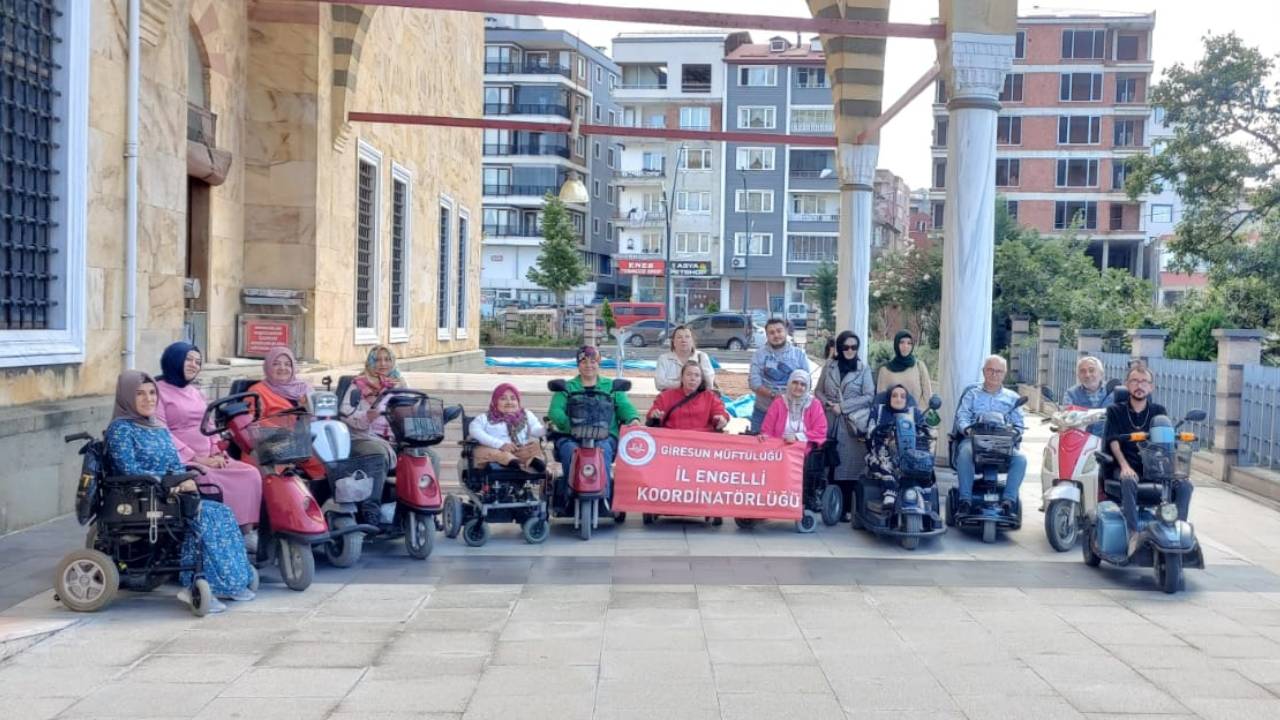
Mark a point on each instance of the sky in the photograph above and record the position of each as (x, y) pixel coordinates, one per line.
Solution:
(904, 142)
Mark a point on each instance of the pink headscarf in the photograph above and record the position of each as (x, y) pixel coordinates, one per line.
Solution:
(292, 389)
(515, 421)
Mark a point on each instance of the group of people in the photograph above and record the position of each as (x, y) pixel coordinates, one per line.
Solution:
(156, 430)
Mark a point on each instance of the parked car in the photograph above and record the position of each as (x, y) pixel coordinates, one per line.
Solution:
(797, 314)
(646, 332)
(732, 331)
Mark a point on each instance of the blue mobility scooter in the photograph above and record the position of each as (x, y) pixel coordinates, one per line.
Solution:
(915, 514)
(995, 442)
(1161, 541)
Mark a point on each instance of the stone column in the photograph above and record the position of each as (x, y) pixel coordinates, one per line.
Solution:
(974, 66)
(1088, 342)
(1019, 329)
(857, 205)
(1047, 352)
(1236, 348)
(1146, 344)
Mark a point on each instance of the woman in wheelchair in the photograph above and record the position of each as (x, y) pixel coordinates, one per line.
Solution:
(139, 444)
(690, 406)
(882, 442)
(796, 415)
(509, 435)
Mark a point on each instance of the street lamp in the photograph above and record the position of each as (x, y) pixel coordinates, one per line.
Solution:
(746, 262)
(669, 280)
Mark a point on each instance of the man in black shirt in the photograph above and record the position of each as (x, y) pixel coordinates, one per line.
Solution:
(1132, 416)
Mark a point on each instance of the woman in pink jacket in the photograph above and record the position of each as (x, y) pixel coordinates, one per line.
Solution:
(181, 408)
(796, 415)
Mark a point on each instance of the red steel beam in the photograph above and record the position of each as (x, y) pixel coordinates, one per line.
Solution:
(686, 18)
(586, 129)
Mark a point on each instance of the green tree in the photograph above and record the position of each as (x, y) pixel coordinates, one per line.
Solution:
(826, 283)
(1191, 334)
(1224, 162)
(911, 282)
(559, 268)
(606, 315)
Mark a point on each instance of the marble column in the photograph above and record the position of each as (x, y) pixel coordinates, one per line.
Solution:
(857, 205)
(974, 66)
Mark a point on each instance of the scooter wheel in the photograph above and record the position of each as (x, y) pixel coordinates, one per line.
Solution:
(344, 551)
(1061, 525)
(832, 505)
(1086, 547)
(912, 524)
(419, 534)
(297, 564)
(989, 531)
(475, 533)
(1168, 572)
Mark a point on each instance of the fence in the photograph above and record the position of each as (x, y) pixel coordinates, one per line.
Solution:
(1028, 363)
(1114, 365)
(1064, 370)
(1260, 417)
(1184, 385)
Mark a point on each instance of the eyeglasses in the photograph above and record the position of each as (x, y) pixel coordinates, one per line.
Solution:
(850, 347)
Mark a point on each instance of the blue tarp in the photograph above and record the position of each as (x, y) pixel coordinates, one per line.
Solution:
(569, 364)
(741, 407)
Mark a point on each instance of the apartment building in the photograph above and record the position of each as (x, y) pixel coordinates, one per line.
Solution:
(1074, 109)
(782, 203)
(892, 212)
(671, 80)
(535, 74)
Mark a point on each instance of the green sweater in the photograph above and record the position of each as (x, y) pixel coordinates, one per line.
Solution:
(623, 410)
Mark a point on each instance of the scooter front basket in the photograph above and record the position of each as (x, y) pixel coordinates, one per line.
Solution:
(590, 416)
(416, 421)
(281, 439)
(993, 447)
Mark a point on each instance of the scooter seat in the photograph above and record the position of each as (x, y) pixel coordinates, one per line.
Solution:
(1148, 493)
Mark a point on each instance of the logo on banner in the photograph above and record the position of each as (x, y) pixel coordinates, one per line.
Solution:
(638, 448)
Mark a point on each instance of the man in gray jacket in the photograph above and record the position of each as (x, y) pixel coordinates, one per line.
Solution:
(771, 367)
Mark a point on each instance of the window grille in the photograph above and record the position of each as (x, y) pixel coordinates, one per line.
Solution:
(364, 244)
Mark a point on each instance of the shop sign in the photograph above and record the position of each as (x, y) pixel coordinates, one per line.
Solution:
(654, 268)
(690, 268)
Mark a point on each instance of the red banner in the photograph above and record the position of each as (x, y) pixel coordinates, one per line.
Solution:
(680, 472)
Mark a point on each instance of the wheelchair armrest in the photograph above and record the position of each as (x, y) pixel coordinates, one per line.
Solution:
(1103, 457)
(210, 491)
(195, 470)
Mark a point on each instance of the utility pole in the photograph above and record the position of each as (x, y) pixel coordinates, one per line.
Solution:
(669, 280)
(746, 262)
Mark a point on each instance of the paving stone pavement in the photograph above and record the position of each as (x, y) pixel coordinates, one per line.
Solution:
(679, 620)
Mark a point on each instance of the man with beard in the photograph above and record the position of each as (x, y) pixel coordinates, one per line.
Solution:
(1131, 416)
(771, 368)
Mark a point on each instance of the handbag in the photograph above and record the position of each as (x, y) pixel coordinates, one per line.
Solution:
(353, 488)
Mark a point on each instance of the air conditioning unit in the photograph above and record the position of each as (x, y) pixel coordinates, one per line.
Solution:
(738, 262)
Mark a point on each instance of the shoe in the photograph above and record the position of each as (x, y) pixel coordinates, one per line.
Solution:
(514, 465)
(890, 499)
(538, 465)
(216, 606)
(243, 595)
(963, 507)
(1006, 507)
(251, 542)
(184, 596)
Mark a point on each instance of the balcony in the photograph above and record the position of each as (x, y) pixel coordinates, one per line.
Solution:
(640, 218)
(825, 174)
(526, 109)
(515, 68)
(695, 126)
(813, 126)
(508, 149)
(695, 87)
(511, 231)
(814, 217)
(645, 174)
(509, 190)
(202, 125)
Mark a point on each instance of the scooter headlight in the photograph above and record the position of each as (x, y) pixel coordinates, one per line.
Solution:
(588, 470)
(911, 495)
(424, 481)
(1090, 464)
(1169, 512)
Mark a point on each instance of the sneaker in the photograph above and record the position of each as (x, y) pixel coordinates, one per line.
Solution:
(890, 499)
(216, 606)
(243, 595)
(1006, 507)
(184, 596)
(963, 507)
(251, 542)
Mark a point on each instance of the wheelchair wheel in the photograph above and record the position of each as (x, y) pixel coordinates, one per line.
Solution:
(807, 523)
(535, 529)
(745, 523)
(648, 518)
(201, 598)
(832, 505)
(254, 579)
(475, 533)
(86, 581)
(451, 516)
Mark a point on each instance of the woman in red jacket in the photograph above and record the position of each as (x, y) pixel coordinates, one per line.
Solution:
(691, 406)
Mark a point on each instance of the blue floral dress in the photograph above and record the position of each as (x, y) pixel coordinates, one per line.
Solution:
(138, 450)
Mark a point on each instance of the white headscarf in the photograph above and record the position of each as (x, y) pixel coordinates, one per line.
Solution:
(796, 406)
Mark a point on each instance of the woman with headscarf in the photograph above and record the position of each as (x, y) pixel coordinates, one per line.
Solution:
(796, 415)
(362, 407)
(883, 452)
(847, 392)
(181, 409)
(508, 434)
(906, 369)
(139, 444)
(281, 390)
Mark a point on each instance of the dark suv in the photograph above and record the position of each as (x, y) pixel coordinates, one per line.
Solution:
(732, 331)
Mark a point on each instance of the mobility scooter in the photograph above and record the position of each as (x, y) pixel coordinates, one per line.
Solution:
(995, 441)
(915, 513)
(585, 491)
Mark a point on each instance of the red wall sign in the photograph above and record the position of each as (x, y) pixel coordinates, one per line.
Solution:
(642, 267)
(678, 472)
(261, 335)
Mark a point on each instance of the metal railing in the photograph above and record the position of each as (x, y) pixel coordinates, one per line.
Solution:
(641, 86)
(811, 173)
(695, 87)
(526, 68)
(1114, 365)
(1184, 385)
(526, 109)
(655, 174)
(504, 190)
(505, 149)
(814, 217)
(1260, 417)
(1028, 363)
(1064, 370)
(816, 256)
(811, 126)
(511, 231)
